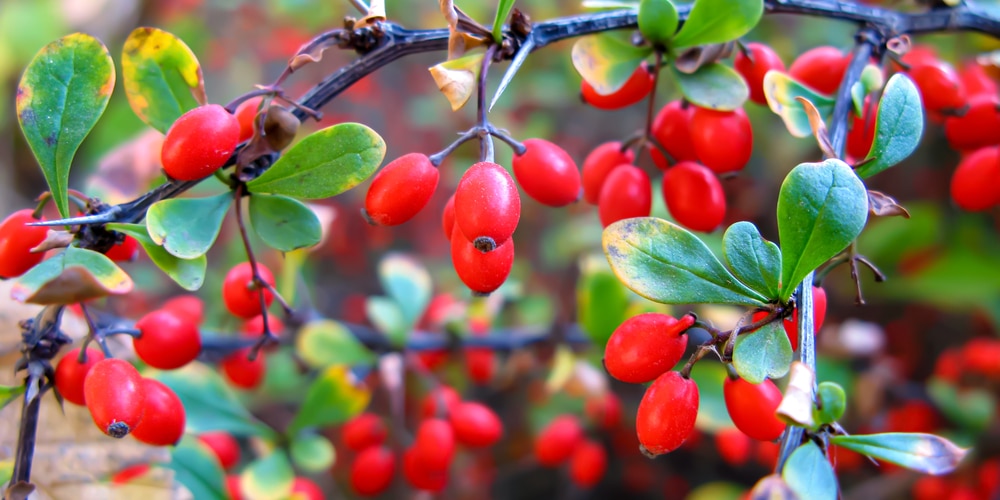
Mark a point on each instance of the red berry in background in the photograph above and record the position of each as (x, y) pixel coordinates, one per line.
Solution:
(305, 489)
(645, 346)
(255, 326)
(126, 251)
(240, 296)
(246, 113)
(672, 129)
(912, 416)
(694, 196)
(605, 410)
(401, 190)
(481, 272)
(733, 446)
(980, 356)
(242, 372)
(762, 58)
(189, 307)
(448, 217)
(487, 205)
(627, 193)
(766, 453)
(588, 464)
(480, 364)
(16, 242)
(115, 396)
(723, 140)
(598, 164)
(547, 173)
(224, 446)
(975, 183)
(635, 89)
(976, 81)
(791, 324)
(129, 474)
(939, 85)
(979, 127)
(752, 408)
(931, 488)
(166, 341)
(556, 442)
(364, 431)
(163, 418)
(70, 374)
(233, 487)
(420, 476)
(667, 413)
(862, 133)
(372, 471)
(434, 444)
(439, 402)
(821, 69)
(475, 424)
(199, 142)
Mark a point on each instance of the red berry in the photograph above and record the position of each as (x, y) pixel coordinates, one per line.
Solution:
(364, 431)
(224, 446)
(723, 140)
(255, 326)
(598, 164)
(448, 217)
(627, 193)
(979, 127)
(130, 473)
(439, 402)
(199, 142)
(645, 346)
(975, 184)
(166, 341)
(667, 413)
(821, 69)
(233, 487)
(481, 272)
(372, 471)
(401, 190)
(126, 251)
(242, 372)
(163, 418)
(189, 307)
(635, 89)
(733, 446)
(115, 396)
(752, 407)
(487, 205)
(241, 297)
(547, 173)
(939, 85)
(434, 444)
(419, 475)
(16, 242)
(588, 464)
(694, 196)
(70, 374)
(672, 129)
(480, 364)
(976, 81)
(246, 113)
(819, 315)
(305, 489)
(475, 425)
(753, 68)
(862, 133)
(604, 411)
(555, 444)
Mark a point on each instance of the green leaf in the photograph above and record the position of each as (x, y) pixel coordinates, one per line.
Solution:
(899, 125)
(973, 408)
(407, 282)
(718, 21)
(809, 474)
(503, 11)
(326, 342)
(781, 91)
(61, 95)
(388, 318)
(284, 223)
(924, 453)
(822, 208)
(9, 393)
(831, 402)
(610, 4)
(714, 86)
(601, 302)
(324, 164)
(161, 76)
(268, 478)
(765, 353)
(752, 259)
(312, 453)
(334, 397)
(607, 60)
(73, 275)
(657, 20)
(665, 263)
(196, 467)
(187, 227)
(188, 273)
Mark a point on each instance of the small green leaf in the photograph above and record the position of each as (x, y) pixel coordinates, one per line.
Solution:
(718, 21)
(714, 86)
(765, 353)
(187, 227)
(899, 125)
(388, 318)
(285, 224)
(858, 94)
(198, 469)
(334, 397)
(607, 60)
(61, 95)
(665, 263)
(268, 478)
(73, 275)
(188, 273)
(657, 20)
(503, 10)
(161, 76)
(973, 408)
(832, 403)
(326, 342)
(324, 164)
(312, 453)
(924, 453)
(781, 91)
(822, 208)
(601, 302)
(752, 259)
(9, 393)
(809, 474)
(209, 403)
(408, 283)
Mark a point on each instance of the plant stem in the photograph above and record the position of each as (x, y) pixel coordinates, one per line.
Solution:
(27, 433)
(260, 285)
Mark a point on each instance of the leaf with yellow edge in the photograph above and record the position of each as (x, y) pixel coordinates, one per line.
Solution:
(334, 397)
(162, 77)
(607, 60)
(781, 91)
(268, 478)
(457, 79)
(73, 275)
(562, 369)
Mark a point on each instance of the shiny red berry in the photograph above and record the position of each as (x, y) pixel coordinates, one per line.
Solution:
(448, 217)
(199, 142)
(645, 346)
(627, 193)
(16, 242)
(372, 471)
(752, 407)
(487, 205)
(557, 441)
(224, 446)
(481, 272)
(672, 129)
(733, 446)
(163, 418)
(166, 341)
(598, 164)
(979, 127)
(189, 306)
(588, 464)
(480, 364)
(401, 190)
(419, 475)
(115, 396)
(791, 324)
(475, 424)
(975, 183)
(635, 89)
(547, 173)
(70, 374)
(976, 80)
(305, 489)
(240, 295)
(241, 371)
(694, 196)
(939, 85)
(364, 431)
(667, 413)
(862, 133)
(246, 113)
(434, 444)
(821, 69)
(604, 410)
(254, 326)
(723, 140)
(761, 59)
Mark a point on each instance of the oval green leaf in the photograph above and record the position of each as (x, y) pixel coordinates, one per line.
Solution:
(161, 76)
(718, 21)
(765, 353)
(73, 275)
(972, 409)
(408, 283)
(665, 263)
(334, 397)
(607, 60)
(61, 95)
(388, 317)
(713, 86)
(187, 227)
(831, 401)
(657, 20)
(899, 126)
(268, 478)
(196, 467)
(924, 453)
(809, 474)
(822, 208)
(324, 164)
(752, 259)
(325, 342)
(601, 301)
(312, 453)
(781, 91)
(188, 273)
(283, 223)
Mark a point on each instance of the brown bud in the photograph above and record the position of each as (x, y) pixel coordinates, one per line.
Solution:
(280, 127)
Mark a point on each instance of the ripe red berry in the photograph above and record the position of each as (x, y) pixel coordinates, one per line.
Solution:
(372, 471)
(547, 173)
(979, 127)
(240, 296)
(305, 489)
(70, 374)
(667, 413)
(401, 190)
(939, 85)
(16, 242)
(821, 69)
(733, 446)
(762, 58)
(862, 133)
(224, 446)
(635, 89)
(242, 372)
(481, 272)
(129, 474)
(588, 464)
(976, 81)
(419, 475)
(694, 196)
(163, 418)
(604, 410)
(188, 306)
(723, 140)
(199, 142)
(233, 487)
(791, 324)
(752, 407)
(254, 326)
(557, 441)
(975, 184)
(645, 346)
(672, 129)
(364, 431)
(246, 113)
(480, 364)
(627, 193)
(475, 425)
(115, 396)
(439, 402)
(448, 217)
(599, 164)
(166, 341)
(434, 444)
(487, 205)
(126, 251)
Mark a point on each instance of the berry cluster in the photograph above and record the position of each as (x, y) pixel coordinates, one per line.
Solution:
(563, 441)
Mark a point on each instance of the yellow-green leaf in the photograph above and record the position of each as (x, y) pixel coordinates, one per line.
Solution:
(73, 275)
(334, 397)
(607, 60)
(326, 342)
(781, 91)
(162, 77)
